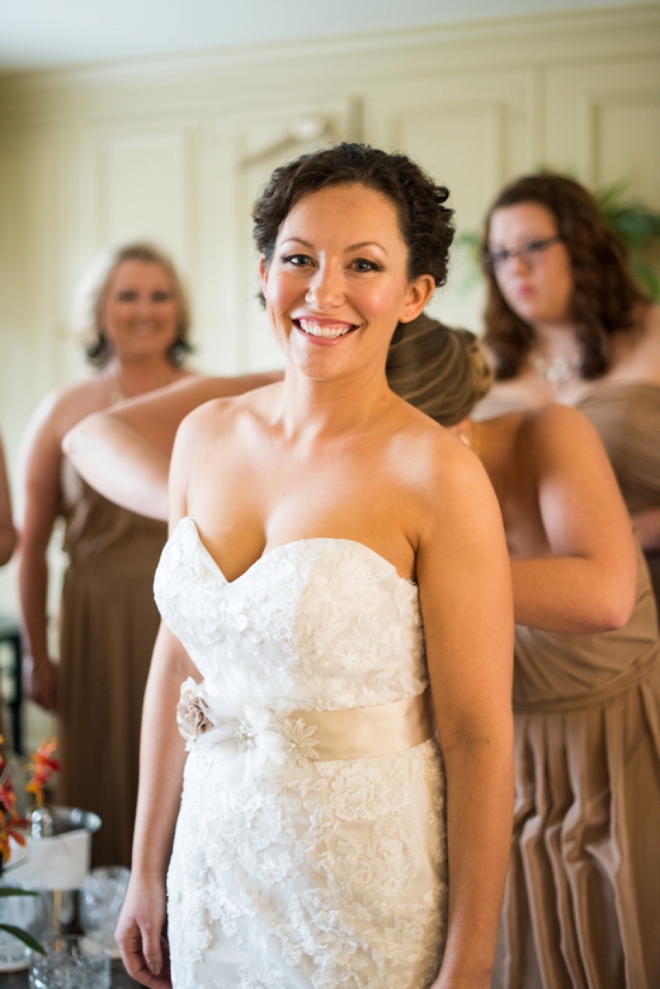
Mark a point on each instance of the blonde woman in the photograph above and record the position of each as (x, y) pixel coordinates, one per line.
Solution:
(138, 320)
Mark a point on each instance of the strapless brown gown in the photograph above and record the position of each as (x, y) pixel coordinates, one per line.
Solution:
(109, 623)
(582, 906)
(627, 417)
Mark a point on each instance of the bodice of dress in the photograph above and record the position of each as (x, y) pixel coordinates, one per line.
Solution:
(627, 417)
(555, 671)
(317, 624)
(99, 533)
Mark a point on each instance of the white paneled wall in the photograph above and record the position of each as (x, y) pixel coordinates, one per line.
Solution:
(157, 149)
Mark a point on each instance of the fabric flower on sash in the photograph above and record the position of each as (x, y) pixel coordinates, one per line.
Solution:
(244, 736)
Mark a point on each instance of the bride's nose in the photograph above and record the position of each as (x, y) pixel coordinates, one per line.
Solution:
(325, 289)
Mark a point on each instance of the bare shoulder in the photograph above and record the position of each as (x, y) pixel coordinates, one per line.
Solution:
(437, 466)
(220, 417)
(63, 408)
(555, 431)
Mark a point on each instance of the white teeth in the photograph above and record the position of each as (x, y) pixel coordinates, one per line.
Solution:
(316, 330)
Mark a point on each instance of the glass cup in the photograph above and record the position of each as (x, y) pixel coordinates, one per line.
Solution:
(33, 915)
(101, 898)
(71, 962)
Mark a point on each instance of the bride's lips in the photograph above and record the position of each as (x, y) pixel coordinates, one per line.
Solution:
(322, 330)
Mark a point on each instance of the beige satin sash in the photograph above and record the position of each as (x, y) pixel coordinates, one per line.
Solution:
(364, 732)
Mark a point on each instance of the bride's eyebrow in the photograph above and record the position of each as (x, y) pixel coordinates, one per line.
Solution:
(298, 240)
(367, 243)
(352, 247)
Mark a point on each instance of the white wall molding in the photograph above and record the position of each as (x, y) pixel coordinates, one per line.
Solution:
(234, 78)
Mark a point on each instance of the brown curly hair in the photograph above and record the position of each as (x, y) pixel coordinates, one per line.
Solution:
(424, 220)
(441, 371)
(606, 298)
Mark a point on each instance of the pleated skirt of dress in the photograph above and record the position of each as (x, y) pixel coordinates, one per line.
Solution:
(582, 905)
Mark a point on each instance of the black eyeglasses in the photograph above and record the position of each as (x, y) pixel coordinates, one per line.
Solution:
(531, 253)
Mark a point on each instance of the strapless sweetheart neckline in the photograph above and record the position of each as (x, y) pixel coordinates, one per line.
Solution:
(287, 546)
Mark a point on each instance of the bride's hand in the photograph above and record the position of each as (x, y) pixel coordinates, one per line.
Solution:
(144, 950)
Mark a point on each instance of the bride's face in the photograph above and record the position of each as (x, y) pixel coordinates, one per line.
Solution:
(337, 284)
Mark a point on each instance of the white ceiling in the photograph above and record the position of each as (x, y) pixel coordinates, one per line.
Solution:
(47, 33)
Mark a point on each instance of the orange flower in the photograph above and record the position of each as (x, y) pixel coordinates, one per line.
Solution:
(7, 796)
(42, 757)
(43, 765)
(11, 827)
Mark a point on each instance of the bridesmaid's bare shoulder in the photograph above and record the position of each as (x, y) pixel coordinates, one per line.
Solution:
(218, 417)
(555, 433)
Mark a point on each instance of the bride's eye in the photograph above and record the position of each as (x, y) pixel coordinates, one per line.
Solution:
(364, 264)
(297, 260)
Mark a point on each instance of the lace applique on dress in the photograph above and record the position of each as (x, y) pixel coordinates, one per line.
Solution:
(299, 872)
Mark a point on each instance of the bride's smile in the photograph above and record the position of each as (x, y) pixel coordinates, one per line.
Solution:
(337, 283)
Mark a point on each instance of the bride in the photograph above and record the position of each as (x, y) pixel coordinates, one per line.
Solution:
(332, 552)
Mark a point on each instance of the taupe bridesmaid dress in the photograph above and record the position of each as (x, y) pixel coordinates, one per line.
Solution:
(582, 907)
(109, 623)
(627, 417)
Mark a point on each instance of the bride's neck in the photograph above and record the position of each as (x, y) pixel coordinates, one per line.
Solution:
(315, 407)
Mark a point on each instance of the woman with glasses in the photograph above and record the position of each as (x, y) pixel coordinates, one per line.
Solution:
(566, 322)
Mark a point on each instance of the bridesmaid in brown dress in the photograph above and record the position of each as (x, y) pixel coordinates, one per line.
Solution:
(627, 417)
(109, 622)
(582, 906)
(566, 322)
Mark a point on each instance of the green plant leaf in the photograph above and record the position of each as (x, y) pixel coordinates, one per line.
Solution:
(610, 195)
(17, 891)
(23, 936)
(648, 279)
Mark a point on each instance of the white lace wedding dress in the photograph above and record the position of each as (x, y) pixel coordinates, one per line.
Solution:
(292, 869)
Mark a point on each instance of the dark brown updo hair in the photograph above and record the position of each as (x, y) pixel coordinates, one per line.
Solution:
(93, 291)
(441, 371)
(606, 298)
(424, 220)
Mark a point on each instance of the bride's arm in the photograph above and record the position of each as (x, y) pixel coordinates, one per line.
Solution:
(162, 758)
(125, 453)
(465, 593)
(589, 582)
